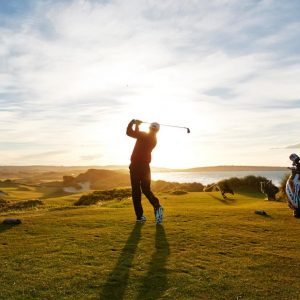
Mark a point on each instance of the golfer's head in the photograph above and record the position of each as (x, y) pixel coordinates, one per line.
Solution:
(154, 127)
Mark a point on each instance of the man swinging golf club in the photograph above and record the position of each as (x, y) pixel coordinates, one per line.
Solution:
(140, 174)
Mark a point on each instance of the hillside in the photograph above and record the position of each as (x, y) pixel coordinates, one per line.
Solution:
(98, 179)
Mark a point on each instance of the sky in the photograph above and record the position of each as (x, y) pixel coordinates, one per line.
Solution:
(74, 73)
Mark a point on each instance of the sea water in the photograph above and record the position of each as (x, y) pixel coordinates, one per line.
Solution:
(211, 177)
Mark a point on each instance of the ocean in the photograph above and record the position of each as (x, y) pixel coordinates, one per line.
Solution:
(210, 177)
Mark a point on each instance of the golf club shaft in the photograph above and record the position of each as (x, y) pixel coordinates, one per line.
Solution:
(188, 130)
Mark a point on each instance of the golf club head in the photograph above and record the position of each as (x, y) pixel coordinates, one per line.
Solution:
(188, 130)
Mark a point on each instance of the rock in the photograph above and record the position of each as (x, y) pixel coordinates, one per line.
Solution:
(12, 221)
(261, 212)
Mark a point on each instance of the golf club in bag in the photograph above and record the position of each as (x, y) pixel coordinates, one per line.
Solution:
(187, 129)
(293, 186)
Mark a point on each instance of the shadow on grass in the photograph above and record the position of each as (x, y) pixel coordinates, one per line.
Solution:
(266, 215)
(57, 194)
(62, 208)
(154, 283)
(4, 227)
(227, 201)
(116, 283)
(257, 195)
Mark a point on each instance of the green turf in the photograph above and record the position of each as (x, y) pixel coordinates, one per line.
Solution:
(207, 248)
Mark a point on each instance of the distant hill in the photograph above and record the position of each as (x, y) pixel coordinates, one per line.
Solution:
(98, 179)
(205, 169)
(231, 168)
(42, 174)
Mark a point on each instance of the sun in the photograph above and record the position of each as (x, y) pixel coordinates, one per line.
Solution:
(171, 150)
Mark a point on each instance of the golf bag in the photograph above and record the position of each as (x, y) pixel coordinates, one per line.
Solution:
(293, 186)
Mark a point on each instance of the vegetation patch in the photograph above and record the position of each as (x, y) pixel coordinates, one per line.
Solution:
(165, 186)
(3, 203)
(8, 183)
(249, 183)
(178, 193)
(23, 189)
(20, 205)
(281, 196)
(105, 195)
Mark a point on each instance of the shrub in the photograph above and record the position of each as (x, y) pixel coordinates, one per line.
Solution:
(23, 189)
(105, 195)
(8, 183)
(282, 193)
(178, 193)
(250, 183)
(3, 203)
(21, 205)
(192, 187)
(283, 183)
(165, 186)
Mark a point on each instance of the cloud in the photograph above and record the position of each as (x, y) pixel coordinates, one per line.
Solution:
(221, 91)
(48, 154)
(90, 157)
(73, 72)
(287, 104)
(295, 146)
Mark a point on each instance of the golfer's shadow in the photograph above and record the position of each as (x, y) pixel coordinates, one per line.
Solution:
(116, 283)
(4, 227)
(154, 283)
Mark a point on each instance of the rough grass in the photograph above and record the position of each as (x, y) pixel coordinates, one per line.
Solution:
(207, 248)
(20, 205)
(105, 195)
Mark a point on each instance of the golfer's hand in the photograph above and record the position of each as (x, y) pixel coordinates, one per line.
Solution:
(138, 122)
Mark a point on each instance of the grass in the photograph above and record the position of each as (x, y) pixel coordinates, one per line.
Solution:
(207, 248)
(104, 195)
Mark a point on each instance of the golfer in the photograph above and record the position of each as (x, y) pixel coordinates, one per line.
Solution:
(140, 174)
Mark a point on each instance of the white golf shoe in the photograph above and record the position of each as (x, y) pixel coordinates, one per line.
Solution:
(142, 219)
(159, 214)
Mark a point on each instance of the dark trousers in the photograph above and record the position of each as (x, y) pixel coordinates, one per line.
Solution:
(140, 177)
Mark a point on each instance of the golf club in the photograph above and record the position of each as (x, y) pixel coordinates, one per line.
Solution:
(188, 130)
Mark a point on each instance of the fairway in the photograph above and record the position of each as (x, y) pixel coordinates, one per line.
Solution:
(207, 248)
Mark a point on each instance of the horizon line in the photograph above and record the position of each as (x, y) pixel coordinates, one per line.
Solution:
(157, 167)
